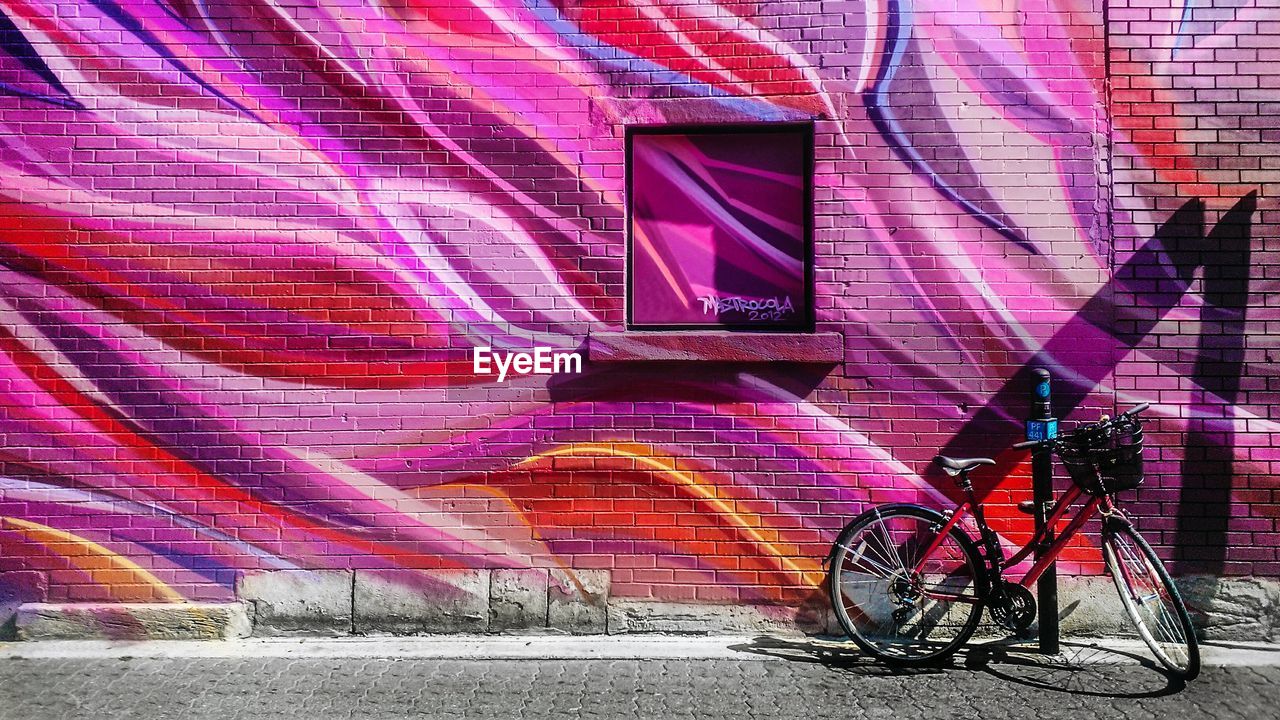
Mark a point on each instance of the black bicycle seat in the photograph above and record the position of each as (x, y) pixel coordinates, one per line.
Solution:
(955, 466)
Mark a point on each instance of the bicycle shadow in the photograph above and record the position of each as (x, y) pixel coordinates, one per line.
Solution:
(834, 654)
(1080, 669)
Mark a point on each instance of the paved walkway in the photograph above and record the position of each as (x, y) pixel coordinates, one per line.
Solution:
(608, 678)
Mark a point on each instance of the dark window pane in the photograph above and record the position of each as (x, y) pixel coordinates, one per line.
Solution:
(719, 227)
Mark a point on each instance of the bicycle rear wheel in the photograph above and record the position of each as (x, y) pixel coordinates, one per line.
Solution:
(1151, 599)
(895, 603)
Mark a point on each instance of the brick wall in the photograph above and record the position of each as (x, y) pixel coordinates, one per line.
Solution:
(1194, 109)
(247, 246)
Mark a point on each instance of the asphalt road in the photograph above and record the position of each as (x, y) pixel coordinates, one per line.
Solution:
(761, 679)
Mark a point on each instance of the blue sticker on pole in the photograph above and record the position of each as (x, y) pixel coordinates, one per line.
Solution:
(1040, 430)
(1042, 389)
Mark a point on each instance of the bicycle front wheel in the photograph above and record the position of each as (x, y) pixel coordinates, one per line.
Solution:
(1151, 599)
(903, 593)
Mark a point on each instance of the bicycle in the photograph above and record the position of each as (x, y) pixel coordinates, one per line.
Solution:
(908, 584)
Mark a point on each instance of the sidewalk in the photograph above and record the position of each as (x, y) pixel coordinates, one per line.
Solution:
(602, 677)
(592, 647)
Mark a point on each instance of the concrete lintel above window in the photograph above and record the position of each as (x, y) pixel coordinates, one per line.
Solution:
(715, 346)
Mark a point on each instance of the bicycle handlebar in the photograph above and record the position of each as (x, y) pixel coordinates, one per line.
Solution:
(1131, 412)
(1136, 409)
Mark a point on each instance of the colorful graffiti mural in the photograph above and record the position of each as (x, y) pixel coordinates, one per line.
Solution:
(247, 245)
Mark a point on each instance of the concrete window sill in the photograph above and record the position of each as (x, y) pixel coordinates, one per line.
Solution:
(715, 346)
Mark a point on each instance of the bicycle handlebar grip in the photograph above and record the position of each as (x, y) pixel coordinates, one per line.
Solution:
(1137, 409)
(1026, 444)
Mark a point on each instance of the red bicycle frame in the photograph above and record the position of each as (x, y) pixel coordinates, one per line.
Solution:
(1051, 553)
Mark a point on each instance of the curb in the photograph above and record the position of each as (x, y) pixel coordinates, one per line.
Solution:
(766, 648)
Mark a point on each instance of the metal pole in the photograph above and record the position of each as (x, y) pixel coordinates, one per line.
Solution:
(1042, 425)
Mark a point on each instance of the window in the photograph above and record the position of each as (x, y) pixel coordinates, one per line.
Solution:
(719, 227)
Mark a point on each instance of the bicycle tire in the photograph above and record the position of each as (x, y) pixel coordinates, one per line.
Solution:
(1172, 623)
(891, 653)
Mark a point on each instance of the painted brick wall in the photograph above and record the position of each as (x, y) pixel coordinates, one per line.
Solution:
(246, 247)
(1196, 114)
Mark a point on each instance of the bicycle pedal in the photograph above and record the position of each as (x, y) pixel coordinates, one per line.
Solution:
(1027, 507)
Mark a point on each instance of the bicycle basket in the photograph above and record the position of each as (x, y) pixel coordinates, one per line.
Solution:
(1104, 458)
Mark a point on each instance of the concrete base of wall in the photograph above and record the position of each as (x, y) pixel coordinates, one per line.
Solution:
(337, 603)
(648, 616)
(1223, 608)
(132, 621)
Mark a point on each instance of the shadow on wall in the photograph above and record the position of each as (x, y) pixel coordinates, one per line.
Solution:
(1204, 503)
(1116, 320)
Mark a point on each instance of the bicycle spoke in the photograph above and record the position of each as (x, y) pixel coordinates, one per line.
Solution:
(878, 569)
(884, 552)
(1151, 602)
(888, 546)
(1163, 624)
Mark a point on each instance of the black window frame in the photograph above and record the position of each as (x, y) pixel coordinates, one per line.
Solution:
(806, 320)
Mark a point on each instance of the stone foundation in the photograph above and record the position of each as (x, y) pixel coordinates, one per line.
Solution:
(330, 603)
